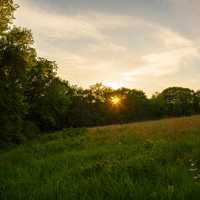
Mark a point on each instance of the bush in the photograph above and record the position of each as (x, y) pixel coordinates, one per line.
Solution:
(30, 130)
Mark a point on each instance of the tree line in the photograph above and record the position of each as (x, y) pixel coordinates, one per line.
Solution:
(34, 100)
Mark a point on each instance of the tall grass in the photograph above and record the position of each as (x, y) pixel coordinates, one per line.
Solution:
(150, 160)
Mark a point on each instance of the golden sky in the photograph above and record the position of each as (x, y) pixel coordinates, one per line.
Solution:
(143, 44)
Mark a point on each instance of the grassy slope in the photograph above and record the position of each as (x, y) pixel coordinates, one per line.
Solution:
(150, 160)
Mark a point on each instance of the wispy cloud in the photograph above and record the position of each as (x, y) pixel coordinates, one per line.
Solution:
(132, 50)
(57, 26)
(160, 64)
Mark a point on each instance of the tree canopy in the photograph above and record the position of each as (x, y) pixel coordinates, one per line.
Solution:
(34, 100)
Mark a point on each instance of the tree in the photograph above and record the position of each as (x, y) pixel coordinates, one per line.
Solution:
(38, 78)
(24, 78)
(16, 56)
(157, 106)
(7, 7)
(32, 97)
(197, 102)
(178, 101)
(49, 111)
(136, 104)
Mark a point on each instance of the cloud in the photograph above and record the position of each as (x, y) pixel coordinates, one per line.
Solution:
(178, 50)
(56, 26)
(161, 64)
(132, 50)
(173, 40)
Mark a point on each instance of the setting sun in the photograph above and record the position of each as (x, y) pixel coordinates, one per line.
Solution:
(115, 100)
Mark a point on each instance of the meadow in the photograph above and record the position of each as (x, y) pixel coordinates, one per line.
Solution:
(141, 161)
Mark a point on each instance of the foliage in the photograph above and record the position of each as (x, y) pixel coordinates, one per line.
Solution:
(197, 102)
(178, 101)
(49, 110)
(6, 13)
(32, 96)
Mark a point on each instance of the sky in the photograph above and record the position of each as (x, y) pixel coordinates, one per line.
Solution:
(142, 44)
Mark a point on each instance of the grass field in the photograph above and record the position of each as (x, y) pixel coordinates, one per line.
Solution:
(149, 160)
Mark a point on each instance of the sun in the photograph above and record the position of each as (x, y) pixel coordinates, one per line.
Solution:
(115, 100)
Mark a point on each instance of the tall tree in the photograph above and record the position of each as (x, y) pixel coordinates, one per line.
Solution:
(16, 57)
(7, 7)
(178, 101)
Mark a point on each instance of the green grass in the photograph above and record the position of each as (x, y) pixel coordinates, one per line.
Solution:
(149, 160)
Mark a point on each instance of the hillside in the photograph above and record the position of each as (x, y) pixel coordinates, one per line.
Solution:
(147, 160)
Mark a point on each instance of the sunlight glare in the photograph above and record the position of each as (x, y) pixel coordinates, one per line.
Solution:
(115, 100)
(114, 85)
